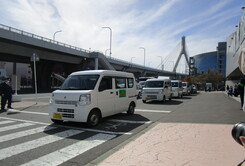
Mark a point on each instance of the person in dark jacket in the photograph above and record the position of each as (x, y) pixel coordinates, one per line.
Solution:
(6, 93)
(240, 89)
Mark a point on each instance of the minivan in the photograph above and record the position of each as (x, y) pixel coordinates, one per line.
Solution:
(177, 89)
(186, 88)
(157, 89)
(88, 96)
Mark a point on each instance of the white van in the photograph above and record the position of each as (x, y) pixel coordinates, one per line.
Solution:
(186, 88)
(88, 96)
(157, 89)
(177, 89)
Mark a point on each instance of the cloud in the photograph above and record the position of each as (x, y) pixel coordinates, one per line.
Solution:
(156, 25)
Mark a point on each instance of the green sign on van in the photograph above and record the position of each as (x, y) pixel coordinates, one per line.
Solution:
(122, 93)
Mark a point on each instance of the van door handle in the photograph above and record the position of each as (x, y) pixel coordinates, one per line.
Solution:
(117, 93)
(111, 92)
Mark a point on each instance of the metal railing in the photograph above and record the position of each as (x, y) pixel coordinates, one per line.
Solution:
(24, 33)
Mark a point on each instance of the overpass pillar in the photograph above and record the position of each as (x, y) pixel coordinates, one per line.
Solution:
(96, 63)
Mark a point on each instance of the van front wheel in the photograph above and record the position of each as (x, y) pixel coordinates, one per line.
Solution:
(131, 109)
(93, 118)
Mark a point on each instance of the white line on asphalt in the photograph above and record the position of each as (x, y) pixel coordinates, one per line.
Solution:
(7, 128)
(28, 98)
(13, 150)
(27, 112)
(69, 152)
(25, 133)
(157, 111)
(6, 122)
(130, 121)
(70, 127)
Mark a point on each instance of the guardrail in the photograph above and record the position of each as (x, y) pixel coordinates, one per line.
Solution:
(24, 33)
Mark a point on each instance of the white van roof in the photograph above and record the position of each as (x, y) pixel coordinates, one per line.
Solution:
(157, 79)
(104, 72)
(176, 81)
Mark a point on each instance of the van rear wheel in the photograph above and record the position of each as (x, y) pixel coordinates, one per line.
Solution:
(94, 118)
(131, 109)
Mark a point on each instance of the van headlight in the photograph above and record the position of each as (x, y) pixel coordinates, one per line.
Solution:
(84, 99)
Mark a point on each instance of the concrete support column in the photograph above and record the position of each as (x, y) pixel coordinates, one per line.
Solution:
(96, 63)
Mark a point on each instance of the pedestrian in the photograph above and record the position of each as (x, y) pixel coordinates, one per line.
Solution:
(231, 90)
(236, 93)
(240, 89)
(227, 89)
(6, 93)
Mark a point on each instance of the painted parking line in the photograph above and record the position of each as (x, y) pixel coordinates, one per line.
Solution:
(130, 121)
(60, 156)
(156, 111)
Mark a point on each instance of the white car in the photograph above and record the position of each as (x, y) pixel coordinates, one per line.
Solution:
(88, 96)
(157, 89)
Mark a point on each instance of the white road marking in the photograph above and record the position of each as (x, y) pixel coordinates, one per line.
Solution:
(130, 121)
(71, 127)
(14, 150)
(69, 152)
(27, 112)
(6, 122)
(157, 111)
(25, 133)
(7, 128)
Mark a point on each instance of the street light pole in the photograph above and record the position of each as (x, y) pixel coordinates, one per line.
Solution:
(110, 38)
(144, 53)
(55, 34)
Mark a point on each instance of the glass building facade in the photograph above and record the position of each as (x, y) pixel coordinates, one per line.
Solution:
(215, 60)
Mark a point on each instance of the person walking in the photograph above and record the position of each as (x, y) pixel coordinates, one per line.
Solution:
(231, 90)
(6, 93)
(240, 89)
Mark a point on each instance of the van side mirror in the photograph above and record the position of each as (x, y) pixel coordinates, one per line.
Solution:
(166, 86)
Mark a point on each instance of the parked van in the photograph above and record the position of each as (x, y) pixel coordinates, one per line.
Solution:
(157, 89)
(177, 89)
(88, 96)
(186, 88)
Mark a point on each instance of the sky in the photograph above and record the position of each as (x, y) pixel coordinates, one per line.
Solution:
(156, 25)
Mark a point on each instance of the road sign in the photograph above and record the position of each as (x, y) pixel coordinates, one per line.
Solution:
(34, 57)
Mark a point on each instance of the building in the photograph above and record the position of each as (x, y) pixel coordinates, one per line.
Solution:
(215, 60)
(235, 45)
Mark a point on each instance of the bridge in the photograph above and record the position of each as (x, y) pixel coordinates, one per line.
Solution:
(19, 46)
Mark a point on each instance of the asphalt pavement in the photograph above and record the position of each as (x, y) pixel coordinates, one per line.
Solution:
(196, 133)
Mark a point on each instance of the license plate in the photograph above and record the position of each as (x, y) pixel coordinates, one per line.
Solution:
(147, 98)
(57, 116)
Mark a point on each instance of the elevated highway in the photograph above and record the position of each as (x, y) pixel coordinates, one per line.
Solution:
(18, 46)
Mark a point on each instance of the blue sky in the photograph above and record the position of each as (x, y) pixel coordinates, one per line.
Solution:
(156, 25)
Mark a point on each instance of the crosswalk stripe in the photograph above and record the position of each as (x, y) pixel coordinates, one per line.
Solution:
(69, 152)
(7, 128)
(6, 122)
(14, 150)
(25, 133)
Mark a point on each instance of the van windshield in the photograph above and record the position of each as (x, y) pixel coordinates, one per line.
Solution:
(154, 84)
(184, 83)
(175, 84)
(80, 82)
